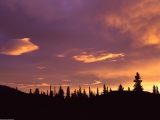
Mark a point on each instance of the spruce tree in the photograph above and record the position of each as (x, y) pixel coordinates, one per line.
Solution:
(120, 88)
(50, 91)
(137, 86)
(157, 91)
(79, 92)
(105, 91)
(97, 92)
(129, 89)
(84, 93)
(68, 92)
(36, 91)
(74, 94)
(91, 94)
(110, 90)
(61, 92)
(30, 91)
(154, 89)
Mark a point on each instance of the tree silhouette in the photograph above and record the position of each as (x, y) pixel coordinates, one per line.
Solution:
(129, 89)
(50, 92)
(79, 92)
(84, 93)
(30, 91)
(120, 88)
(91, 94)
(157, 91)
(74, 94)
(36, 91)
(154, 89)
(47, 92)
(137, 86)
(97, 94)
(105, 91)
(110, 90)
(54, 92)
(68, 92)
(60, 92)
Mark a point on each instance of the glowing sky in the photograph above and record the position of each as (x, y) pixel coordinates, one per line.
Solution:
(79, 43)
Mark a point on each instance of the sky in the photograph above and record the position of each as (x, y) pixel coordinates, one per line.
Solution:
(75, 43)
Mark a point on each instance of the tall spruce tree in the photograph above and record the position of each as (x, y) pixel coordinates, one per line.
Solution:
(137, 86)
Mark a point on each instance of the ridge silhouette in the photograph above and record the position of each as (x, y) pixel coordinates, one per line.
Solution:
(117, 104)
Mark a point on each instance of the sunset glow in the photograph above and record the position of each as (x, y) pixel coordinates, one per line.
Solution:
(79, 43)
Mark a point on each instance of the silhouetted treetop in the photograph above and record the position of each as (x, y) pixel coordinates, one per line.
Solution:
(137, 86)
(120, 88)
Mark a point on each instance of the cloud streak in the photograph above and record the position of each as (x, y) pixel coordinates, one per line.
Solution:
(18, 47)
(97, 56)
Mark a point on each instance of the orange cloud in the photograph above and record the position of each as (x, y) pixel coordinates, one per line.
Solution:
(140, 19)
(96, 82)
(18, 47)
(97, 56)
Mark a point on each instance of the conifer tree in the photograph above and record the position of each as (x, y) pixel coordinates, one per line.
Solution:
(36, 91)
(84, 93)
(91, 94)
(129, 89)
(157, 91)
(110, 90)
(51, 92)
(30, 91)
(74, 94)
(79, 92)
(68, 92)
(97, 94)
(120, 88)
(47, 92)
(61, 92)
(54, 92)
(154, 89)
(137, 86)
(105, 91)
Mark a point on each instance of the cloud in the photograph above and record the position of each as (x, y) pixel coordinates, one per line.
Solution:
(97, 56)
(40, 78)
(60, 55)
(138, 18)
(66, 80)
(41, 68)
(18, 47)
(96, 82)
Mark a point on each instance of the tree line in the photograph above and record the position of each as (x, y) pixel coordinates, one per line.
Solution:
(82, 93)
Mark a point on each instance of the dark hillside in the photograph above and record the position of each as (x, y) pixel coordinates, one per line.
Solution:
(112, 106)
